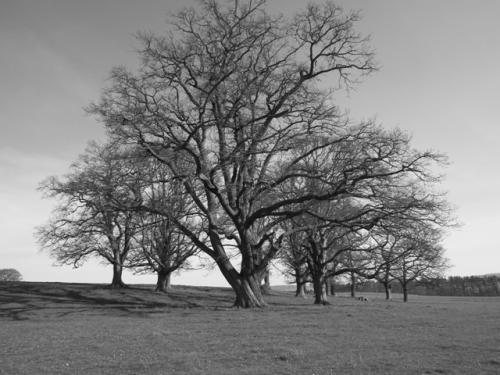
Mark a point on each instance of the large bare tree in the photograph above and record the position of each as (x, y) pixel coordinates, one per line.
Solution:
(225, 101)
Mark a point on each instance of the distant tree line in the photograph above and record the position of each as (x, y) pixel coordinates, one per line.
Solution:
(224, 143)
(451, 286)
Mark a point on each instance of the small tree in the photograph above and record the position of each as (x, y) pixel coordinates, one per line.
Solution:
(420, 257)
(386, 254)
(294, 261)
(161, 246)
(10, 274)
(90, 219)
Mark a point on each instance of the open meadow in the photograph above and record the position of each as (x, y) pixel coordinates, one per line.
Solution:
(57, 328)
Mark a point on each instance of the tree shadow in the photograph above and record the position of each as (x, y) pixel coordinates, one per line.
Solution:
(36, 301)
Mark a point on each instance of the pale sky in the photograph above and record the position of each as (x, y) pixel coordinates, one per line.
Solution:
(439, 80)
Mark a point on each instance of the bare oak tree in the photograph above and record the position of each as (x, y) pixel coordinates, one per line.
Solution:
(88, 220)
(161, 246)
(376, 176)
(421, 256)
(231, 91)
(293, 259)
(227, 99)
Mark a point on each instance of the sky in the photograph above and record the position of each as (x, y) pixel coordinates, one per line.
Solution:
(438, 80)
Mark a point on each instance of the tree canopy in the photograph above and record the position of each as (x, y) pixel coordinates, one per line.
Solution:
(239, 105)
(228, 141)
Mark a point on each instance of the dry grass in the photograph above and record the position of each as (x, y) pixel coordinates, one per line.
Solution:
(51, 328)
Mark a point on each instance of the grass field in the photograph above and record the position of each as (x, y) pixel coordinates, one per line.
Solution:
(55, 328)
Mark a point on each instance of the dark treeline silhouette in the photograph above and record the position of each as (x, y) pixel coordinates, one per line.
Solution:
(488, 285)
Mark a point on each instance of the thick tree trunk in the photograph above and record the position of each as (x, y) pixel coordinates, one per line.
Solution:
(248, 292)
(163, 281)
(117, 281)
(299, 290)
(388, 291)
(319, 291)
(246, 287)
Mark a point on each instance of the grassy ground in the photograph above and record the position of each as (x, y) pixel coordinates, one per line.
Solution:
(52, 328)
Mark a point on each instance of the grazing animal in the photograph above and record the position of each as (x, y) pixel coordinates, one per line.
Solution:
(364, 299)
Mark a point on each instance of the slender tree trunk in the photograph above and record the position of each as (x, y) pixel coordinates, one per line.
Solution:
(405, 293)
(306, 288)
(388, 290)
(117, 281)
(332, 286)
(326, 290)
(163, 281)
(266, 287)
(299, 285)
(324, 295)
(353, 285)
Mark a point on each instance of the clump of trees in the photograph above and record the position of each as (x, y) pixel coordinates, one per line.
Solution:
(226, 141)
(10, 274)
(118, 205)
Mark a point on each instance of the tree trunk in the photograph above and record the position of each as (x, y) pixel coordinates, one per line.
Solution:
(246, 287)
(299, 286)
(117, 281)
(326, 290)
(163, 281)
(319, 291)
(353, 285)
(405, 293)
(299, 291)
(266, 287)
(332, 286)
(248, 293)
(388, 290)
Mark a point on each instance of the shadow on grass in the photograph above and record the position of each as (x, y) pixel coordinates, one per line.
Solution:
(32, 301)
